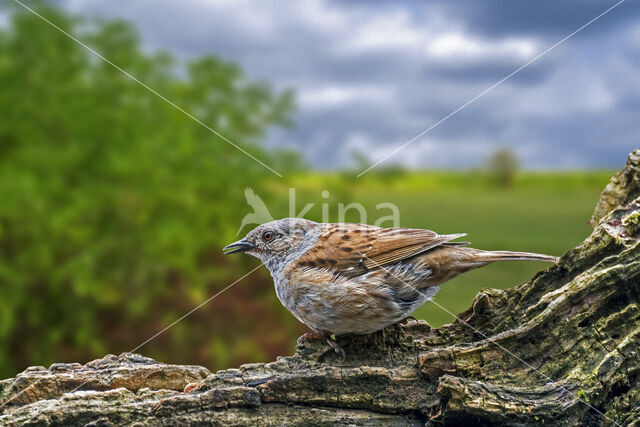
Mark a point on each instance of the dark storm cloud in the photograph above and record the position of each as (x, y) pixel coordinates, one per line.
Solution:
(547, 18)
(370, 78)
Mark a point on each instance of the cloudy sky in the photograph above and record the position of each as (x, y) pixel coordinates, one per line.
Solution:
(370, 77)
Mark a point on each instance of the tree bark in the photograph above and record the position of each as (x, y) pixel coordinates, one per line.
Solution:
(559, 349)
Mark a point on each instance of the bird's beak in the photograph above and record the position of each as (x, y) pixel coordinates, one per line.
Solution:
(239, 246)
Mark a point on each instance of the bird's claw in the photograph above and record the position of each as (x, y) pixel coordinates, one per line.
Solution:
(338, 349)
(405, 321)
(326, 336)
(310, 336)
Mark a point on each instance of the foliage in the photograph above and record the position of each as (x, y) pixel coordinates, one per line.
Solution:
(112, 201)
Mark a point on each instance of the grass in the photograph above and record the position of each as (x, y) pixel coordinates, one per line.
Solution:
(540, 212)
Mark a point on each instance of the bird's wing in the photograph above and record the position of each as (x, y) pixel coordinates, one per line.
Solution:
(353, 249)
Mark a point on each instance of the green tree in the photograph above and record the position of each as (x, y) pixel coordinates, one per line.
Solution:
(502, 166)
(113, 204)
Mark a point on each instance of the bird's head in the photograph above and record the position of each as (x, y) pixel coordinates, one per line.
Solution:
(276, 241)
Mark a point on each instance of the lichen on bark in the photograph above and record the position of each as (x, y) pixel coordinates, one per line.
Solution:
(561, 348)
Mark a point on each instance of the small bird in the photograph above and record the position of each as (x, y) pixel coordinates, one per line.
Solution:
(340, 278)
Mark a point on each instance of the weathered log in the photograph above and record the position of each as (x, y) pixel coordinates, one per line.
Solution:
(559, 349)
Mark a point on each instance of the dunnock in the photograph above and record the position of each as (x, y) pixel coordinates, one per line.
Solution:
(356, 278)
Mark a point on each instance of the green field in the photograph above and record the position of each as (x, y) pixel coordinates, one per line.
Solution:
(541, 212)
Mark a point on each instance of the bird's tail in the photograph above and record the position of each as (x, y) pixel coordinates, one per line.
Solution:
(491, 256)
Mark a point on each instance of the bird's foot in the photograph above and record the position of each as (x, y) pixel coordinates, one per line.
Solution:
(323, 336)
(308, 336)
(337, 347)
(406, 320)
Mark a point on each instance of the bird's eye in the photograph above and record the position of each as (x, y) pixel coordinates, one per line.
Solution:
(268, 235)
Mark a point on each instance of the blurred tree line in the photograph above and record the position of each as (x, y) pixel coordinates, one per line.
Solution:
(114, 205)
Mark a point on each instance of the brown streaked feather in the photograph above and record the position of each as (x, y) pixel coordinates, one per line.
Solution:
(353, 249)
